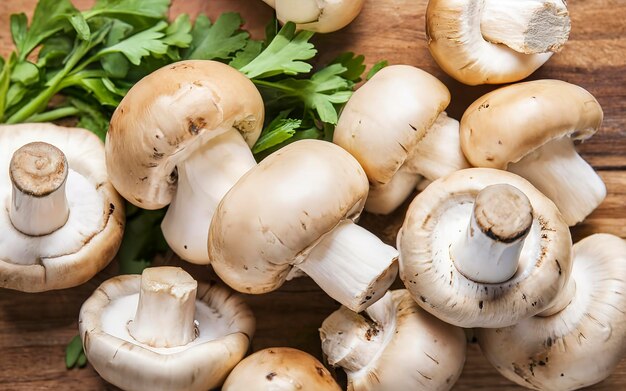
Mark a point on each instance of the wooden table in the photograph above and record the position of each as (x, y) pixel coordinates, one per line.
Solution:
(34, 329)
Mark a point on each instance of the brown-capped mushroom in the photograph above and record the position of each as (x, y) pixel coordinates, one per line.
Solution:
(61, 219)
(495, 41)
(296, 209)
(529, 129)
(164, 331)
(583, 339)
(395, 126)
(322, 16)
(484, 248)
(395, 345)
(280, 369)
(182, 136)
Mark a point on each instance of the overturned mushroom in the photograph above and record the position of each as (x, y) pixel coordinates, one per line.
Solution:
(164, 331)
(182, 136)
(495, 41)
(394, 346)
(395, 126)
(529, 129)
(483, 248)
(306, 198)
(280, 369)
(583, 339)
(322, 16)
(61, 219)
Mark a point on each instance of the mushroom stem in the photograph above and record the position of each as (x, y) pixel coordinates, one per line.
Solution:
(384, 199)
(203, 180)
(562, 300)
(560, 173)
(38, 174)
(489, 250)
(526, 26)
(166, 308)
(352, 265)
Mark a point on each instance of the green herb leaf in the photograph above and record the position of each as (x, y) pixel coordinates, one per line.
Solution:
(154, 9)
(140, 45)
(50, 16)
(54, 50)
(72, 352)
(19, 29)
(92, 117)
(80, 25)
(25, 72)
(284, 55)
(354, 66)
(141, 234)
(377, 67)
(279, 130)
(82, 360)
(5, 78)
(179, 32)
(245, 56)
(218, 41)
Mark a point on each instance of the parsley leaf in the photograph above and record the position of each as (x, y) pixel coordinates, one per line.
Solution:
(279, 130)
(218, 40)
(73, 353)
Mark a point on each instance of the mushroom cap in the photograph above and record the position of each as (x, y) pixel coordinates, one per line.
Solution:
(87, 242)
(439, 215)
(505, 125)
(329, 15)
(167, 116)
(457, 44)
(280, 369)
(283, 207)
(200, 365)
(418, 350)
(387, 117)
(580, 345)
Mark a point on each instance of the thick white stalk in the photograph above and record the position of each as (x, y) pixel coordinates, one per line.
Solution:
(352, 265)
(489, 250)
(166, 308)
(565, 296)
(526, 26)
(560, 173)
(38, 174)
(203, 180)
(439, 152)
(384, 199)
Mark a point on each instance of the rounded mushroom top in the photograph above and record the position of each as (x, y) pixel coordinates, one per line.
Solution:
(64, 160)
(505, 125)
(167, 116)
(583, 343)
(223, 323)
(396, 346)
(322, 16)
(280, 369)
(467, 37)
(437, 220)
(387, 117)
(283, 207)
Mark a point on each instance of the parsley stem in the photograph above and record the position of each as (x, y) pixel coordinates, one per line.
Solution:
(276, 86)
(54, 115)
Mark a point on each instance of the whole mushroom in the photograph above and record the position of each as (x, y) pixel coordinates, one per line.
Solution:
(322, 16)
(164, 331)
(529, 129)
(280, 369)
(61, 219)
(580, 344)
(484, 248)
(395, 345)
(495, 41)
(395, 126)
(182, 136)
(296, 210)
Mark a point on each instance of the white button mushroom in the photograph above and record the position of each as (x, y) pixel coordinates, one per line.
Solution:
(296, 209)
(164, 331)
(394, 346)
(484, 248)
(584, 339)
(280, 369)
(182, 135)
(495, 41)
(529, 128)
(61, 219)
(395, 126)
(322, 16)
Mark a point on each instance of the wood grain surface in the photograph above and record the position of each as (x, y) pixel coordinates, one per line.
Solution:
(34, 328)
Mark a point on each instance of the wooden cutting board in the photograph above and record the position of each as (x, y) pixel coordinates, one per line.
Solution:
(34, 329)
